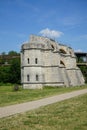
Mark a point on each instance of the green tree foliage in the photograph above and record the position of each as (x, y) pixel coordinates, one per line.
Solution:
(2, 58)
(84, 71)
(4, 74)
(3, 53)
(14, 72)
(10, 73)
(13, 53)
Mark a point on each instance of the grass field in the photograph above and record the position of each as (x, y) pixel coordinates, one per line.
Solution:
(8, 96)
(70, 114)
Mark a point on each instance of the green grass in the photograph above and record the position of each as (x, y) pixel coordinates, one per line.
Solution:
(70, 114)
(8, 96)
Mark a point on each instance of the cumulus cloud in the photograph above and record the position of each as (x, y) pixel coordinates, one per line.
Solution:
(50, 33)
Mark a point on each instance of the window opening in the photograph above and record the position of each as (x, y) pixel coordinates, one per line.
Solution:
(28, 77)
(52, 47)
(36, 60)
(62, 63)
(28, 60)
(37, 78)
(62, 51)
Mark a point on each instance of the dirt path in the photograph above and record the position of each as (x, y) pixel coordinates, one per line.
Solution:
(23, 107)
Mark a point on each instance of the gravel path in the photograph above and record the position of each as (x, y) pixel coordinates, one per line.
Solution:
(23, 107)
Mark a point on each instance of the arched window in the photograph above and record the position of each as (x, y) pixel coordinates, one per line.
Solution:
(52, 47)
(62, 51)
(28, 77)
(70, 52)
(28, 60)
(37, 78)
(62, 63)
(36, 60)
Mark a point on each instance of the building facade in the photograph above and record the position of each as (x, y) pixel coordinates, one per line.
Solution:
(45, 62)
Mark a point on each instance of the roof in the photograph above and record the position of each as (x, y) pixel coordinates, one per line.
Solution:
(81, 53)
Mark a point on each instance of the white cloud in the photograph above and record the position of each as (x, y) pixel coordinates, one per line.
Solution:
(79, 50)
(51, 33)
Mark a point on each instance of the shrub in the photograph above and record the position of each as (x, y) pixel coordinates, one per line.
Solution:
(16, 87)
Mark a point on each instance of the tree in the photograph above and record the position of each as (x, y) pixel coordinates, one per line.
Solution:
(2, 58)
(13, 53)
(14, 71)
(3, 53)
(84, 71)
(10, 73)
(4, 74)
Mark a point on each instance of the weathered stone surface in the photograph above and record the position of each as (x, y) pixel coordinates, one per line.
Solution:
(46, 62)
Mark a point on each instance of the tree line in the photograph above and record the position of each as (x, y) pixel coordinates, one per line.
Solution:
(10, 68)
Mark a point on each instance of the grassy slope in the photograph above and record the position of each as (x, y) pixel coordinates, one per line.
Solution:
(8, 96)
(66, 115)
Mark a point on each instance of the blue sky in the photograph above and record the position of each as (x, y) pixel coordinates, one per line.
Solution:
(64, 20)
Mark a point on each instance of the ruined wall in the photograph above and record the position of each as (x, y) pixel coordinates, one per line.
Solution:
(45, 62)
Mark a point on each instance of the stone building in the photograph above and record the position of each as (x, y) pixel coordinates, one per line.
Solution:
(45, 62)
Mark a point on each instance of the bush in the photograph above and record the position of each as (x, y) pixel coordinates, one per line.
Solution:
(16, 87)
